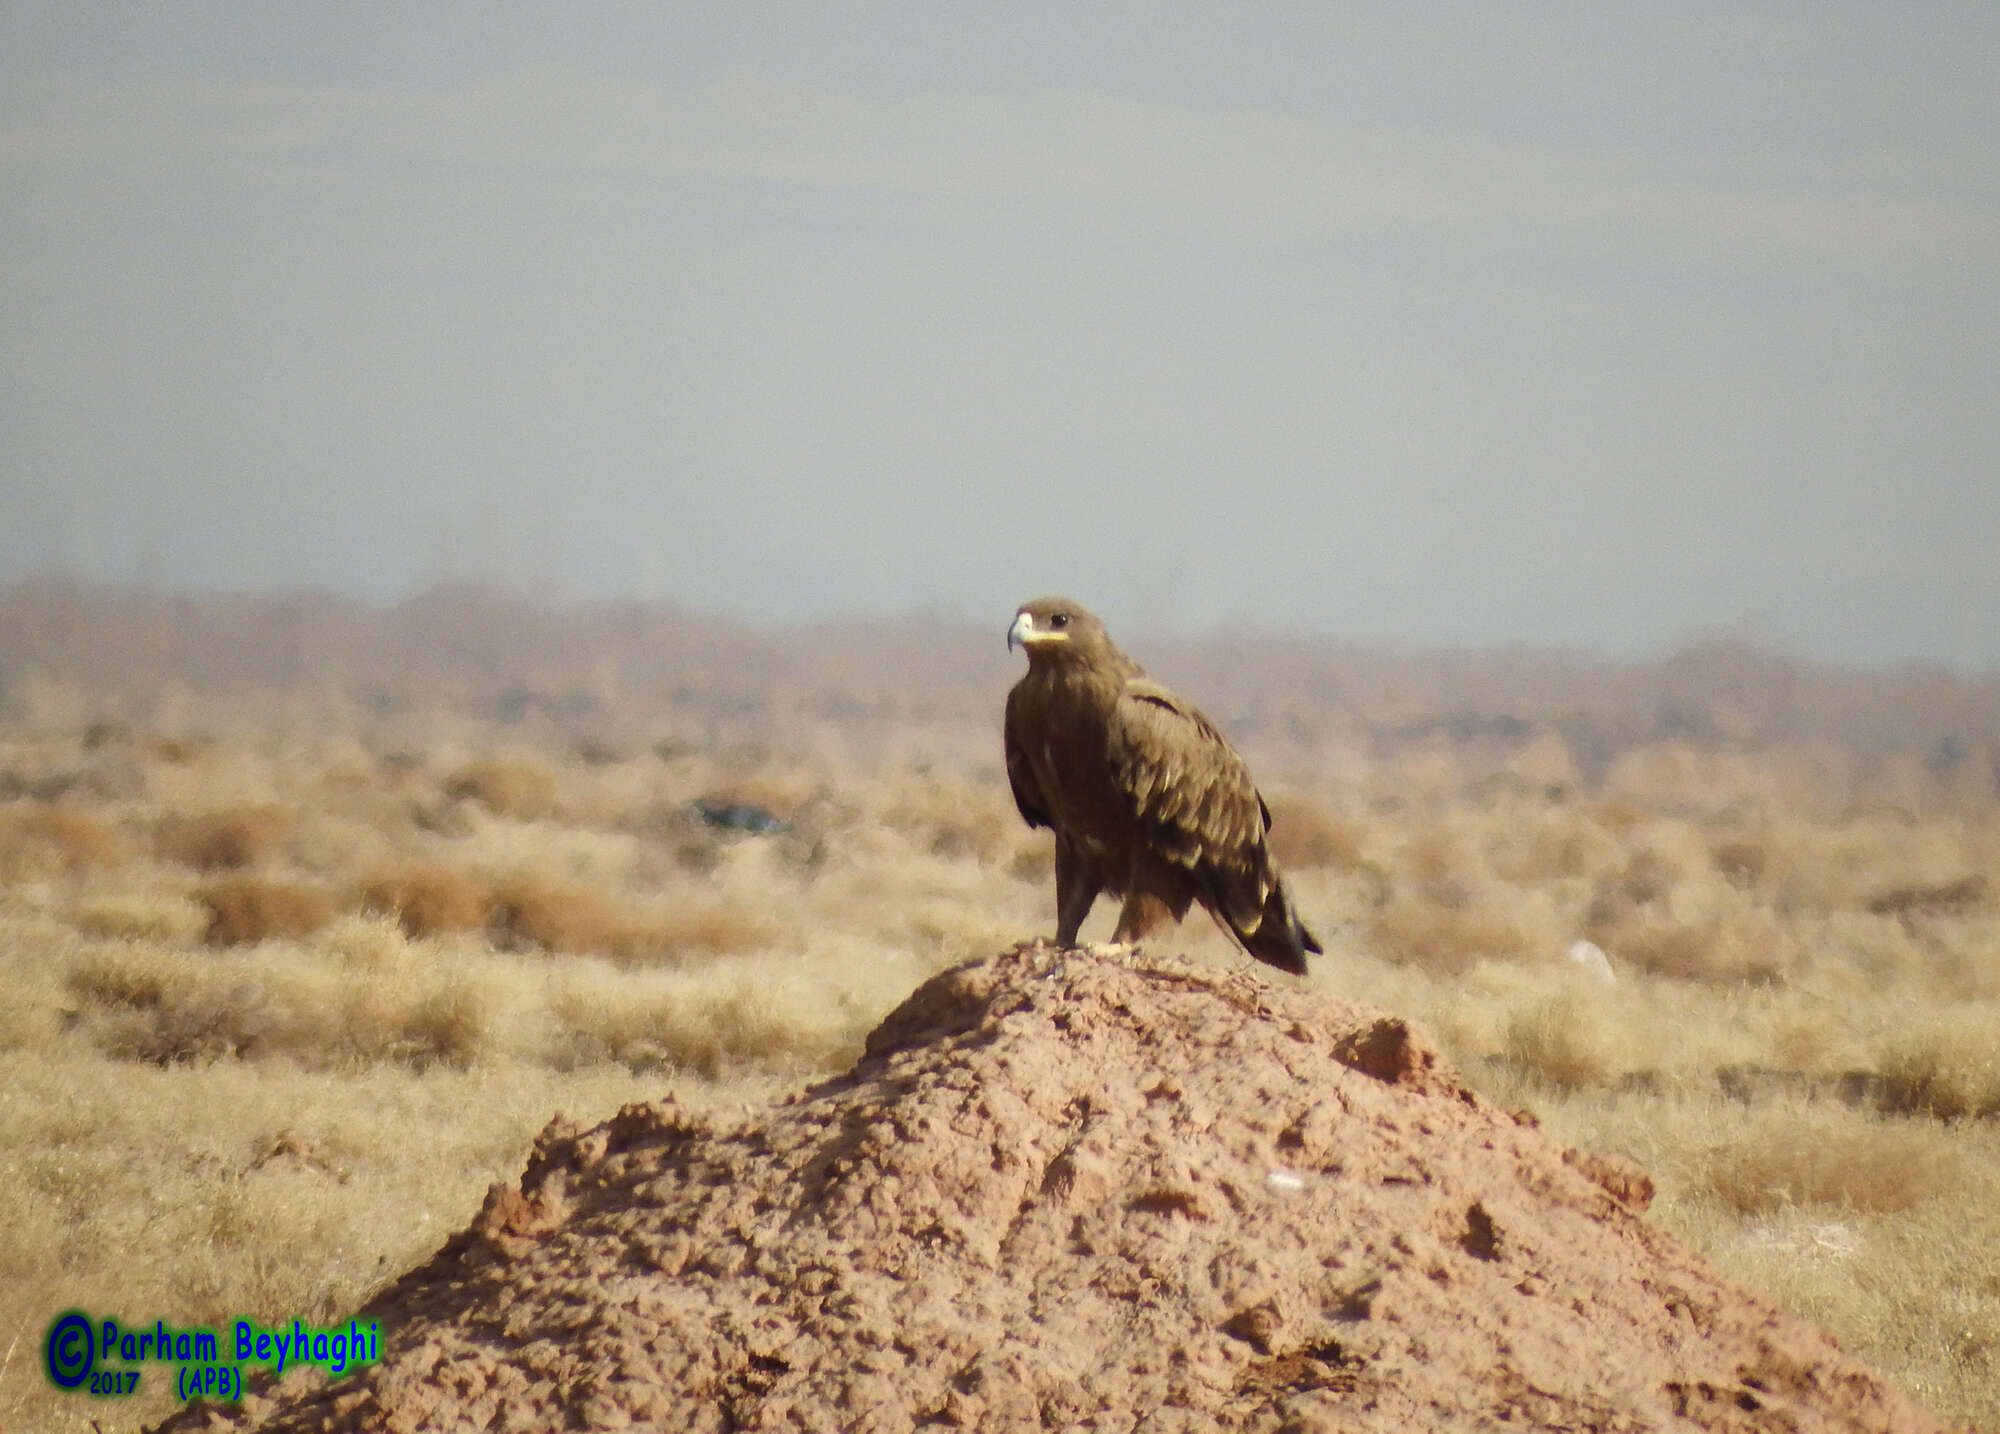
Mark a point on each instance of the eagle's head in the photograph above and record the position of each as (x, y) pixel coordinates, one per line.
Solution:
(1056, 629)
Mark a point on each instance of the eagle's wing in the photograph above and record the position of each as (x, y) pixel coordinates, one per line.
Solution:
(1020, 776)
(1191, 794)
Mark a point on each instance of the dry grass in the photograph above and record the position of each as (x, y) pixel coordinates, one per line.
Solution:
(1306, 836)
(177, 751)
(37, 837)
(228, 838)
(247, 909)
(511, 787)
(1945, 1065)
(157, 916)
(237, 1188)
(956, 820)
(1738, 947)
(1965, 893)
(1569, 1041)
(430, 900)
(535, 912)
(530, 910)
(780, 796)
(713, 929)
(338, 959)
(1444, 930)
(1833, 1157)
(1745, 861)
(728, 1018)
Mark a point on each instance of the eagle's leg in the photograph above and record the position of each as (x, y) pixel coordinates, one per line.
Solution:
(1143, 911)
(1077, 885)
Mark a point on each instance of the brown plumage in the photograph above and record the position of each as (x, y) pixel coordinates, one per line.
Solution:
(1147, 799)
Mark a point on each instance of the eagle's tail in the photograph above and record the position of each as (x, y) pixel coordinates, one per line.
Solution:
(1279, 939)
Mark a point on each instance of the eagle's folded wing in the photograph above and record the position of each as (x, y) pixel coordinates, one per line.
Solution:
(1190, 792)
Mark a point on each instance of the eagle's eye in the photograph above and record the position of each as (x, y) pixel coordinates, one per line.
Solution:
(1059, 620)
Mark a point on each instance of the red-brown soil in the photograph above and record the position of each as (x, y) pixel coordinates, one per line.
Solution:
(1087, 1190)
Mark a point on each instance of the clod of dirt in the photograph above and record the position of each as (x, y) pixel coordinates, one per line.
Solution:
(1083, 1190)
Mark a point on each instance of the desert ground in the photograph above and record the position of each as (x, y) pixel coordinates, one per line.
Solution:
(296, 975)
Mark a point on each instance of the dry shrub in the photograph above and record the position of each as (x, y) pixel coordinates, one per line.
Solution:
(32, 1023)
(566, 916)
(142, 916)
(507, 787)
(37, 836)
(227, 838)
(384, 798)
(955, 821)
(380, 1000)
(197, 1024)
(177, 751)
(1947, 1066)
(1305, 835)
(1752, 946)
(430, 900)
(1034, 860)
(1545, 763)
(414, 1014)
(597, 752)
(559, 916)
(168, 1009)
(948, 930)
(981, 834)
(1678, 774)
(727, 1020)
(781, 799)
(1743, 946)
(1814, 1037)
(1745, 861)
(1446, 938)
(699, 853)
(374, 946)
(1879, 949)
(1426, 774)
(244, 910)
(712, 930)
(1549, 848)
(1960, 958)
(1568, 1042)
(449, 1025)
(1648, 877)
(1660, 948)
(105, 732)
(1948, 898)
(1617, 818)
(129, 977)
(1437, 858)
(1831, 1156)
(1887, 865)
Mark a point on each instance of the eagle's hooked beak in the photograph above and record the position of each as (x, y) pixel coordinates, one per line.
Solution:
(1023, 625)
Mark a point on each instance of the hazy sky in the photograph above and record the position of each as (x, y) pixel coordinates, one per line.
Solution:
(1594, 325)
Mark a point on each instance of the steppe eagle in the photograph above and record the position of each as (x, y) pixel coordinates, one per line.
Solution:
(1146, 797)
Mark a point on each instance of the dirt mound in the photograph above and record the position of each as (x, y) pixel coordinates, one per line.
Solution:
(1091, 1190)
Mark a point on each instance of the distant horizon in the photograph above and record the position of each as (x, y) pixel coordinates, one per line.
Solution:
(943, 615)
